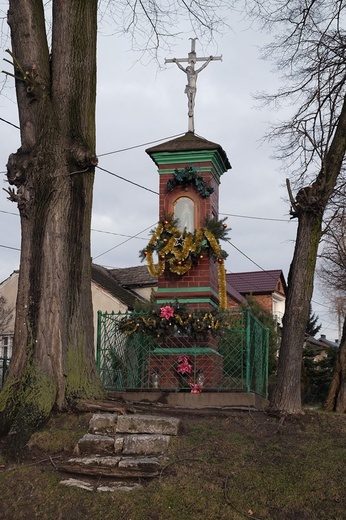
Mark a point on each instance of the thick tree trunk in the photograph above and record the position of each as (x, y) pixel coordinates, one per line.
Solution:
(53, 171)
(287, 393)
(336, 400)
(309, 207)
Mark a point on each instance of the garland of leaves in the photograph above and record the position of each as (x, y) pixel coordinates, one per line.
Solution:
(175, 318)
(188, 177)
(180, 251)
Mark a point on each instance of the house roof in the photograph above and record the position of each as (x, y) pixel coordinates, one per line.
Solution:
(190, 142)
(256, 282)
(235, 295)
(104, 278)
(322, 342)
(137, 276)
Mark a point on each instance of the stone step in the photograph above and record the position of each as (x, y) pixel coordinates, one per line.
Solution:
(112, 423)
(128, 444)
(111, 486)
(115, 467)
(153, 424)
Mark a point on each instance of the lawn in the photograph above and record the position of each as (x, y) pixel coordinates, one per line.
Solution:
(224, 465)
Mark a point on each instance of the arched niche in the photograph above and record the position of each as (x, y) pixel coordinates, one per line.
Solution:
(184, 212)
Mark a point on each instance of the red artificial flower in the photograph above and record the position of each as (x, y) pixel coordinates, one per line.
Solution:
(184, 365)
(167, 312)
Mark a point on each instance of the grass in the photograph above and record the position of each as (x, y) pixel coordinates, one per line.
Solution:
(225, 466)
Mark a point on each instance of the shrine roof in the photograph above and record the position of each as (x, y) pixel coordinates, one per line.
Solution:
(256, 282)
(189, 142)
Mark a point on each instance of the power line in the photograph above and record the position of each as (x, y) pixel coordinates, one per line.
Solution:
(256, 218)
(8, 247)
(121, 243)
(9, 123)
(9, 212)
(126, 180)
(246, 256)
(117, 234)
(139, 145)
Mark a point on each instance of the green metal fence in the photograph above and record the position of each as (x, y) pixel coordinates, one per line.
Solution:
(235, 361)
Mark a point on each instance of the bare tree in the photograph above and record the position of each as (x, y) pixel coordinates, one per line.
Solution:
(332, 272)
(52, 174)
(309, 49)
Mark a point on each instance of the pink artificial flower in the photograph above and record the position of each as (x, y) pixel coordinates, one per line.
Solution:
(196, 388)
(167, 312)
(184, 365)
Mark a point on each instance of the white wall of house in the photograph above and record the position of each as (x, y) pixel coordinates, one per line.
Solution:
(279, 303)
(8, 290)
(105, 302)
(101, 299)
(144, 292)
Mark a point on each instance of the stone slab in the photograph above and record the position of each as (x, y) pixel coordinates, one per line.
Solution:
(103, 423)
(95, 444)
(153, 424)
(145, 444)
(140, 463)
(95, 461)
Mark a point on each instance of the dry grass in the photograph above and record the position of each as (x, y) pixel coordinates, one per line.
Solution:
(222, 467)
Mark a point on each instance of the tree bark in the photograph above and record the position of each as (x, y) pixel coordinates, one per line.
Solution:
(53, 171)
(336, 400)
(309, 208)
(287, 393)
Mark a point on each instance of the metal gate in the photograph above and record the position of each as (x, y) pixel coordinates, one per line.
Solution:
(237, 360)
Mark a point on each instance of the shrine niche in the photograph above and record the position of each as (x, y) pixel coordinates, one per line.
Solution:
(184, 214)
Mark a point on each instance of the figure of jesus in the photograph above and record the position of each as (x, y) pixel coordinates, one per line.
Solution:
(191, 87)
(192, 74)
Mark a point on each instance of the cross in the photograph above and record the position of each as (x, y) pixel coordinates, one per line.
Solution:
(192, 73)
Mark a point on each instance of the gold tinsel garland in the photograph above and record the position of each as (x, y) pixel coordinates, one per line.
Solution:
(180, 251)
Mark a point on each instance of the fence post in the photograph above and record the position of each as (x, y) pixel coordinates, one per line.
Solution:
(248, 345)
(98, 341)
(266, 360)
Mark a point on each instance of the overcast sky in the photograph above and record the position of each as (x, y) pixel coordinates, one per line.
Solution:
(139, 104)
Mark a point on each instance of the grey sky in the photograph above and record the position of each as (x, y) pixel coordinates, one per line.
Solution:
(137, 104)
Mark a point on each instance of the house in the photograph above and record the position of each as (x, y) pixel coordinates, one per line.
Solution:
(268, 288)
(320, 348)
(107, 295)
(117, 290)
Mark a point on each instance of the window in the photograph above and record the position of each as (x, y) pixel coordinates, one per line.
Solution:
(6, 343)
(184, 212)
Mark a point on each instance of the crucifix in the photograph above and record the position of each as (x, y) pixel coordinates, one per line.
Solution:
(192, 73)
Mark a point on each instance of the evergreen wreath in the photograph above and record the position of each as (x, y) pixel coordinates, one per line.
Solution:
(174, 317)
(179, 251)
(188, 177)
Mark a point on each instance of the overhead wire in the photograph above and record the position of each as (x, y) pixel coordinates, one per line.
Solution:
(123, 242)
(140, 145)
(127, 180)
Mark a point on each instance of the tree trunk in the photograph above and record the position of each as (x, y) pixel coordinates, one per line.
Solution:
(53, 170)
(309, 207)
(287, 392)
(336, 400)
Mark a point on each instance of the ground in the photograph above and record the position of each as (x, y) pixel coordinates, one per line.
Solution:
(224, 465)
